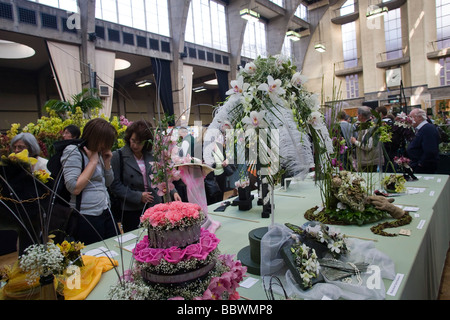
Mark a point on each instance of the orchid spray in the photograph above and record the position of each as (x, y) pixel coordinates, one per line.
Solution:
(163, 168)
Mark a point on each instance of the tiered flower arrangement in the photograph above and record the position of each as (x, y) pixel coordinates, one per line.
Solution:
(171, 215)
(220, 282)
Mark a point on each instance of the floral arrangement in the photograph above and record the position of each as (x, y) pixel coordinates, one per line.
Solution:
(41, 260)
(329, 236)
(164, 169)
(49, 129)
(242, 183)
(23, 158)
(394, 183)
(350, 189)
(71, 252)
(176, 214)
(220, 284)
(173, 259)
(402, 162)
(307, 263)
(269, 94)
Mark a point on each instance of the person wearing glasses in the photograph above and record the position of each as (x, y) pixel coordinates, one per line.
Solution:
(423, 150)
(28, 141)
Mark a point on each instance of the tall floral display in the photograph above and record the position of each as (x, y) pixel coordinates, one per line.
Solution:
(269, 108)
(164, 170)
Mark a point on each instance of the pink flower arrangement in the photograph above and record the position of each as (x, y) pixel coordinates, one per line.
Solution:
(224, 287)
(171, 214)
(207, 243)
(227, 283)
(124, 121)
(402, 161)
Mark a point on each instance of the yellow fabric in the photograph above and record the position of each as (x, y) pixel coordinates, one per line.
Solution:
(18, 288)
(90, 276)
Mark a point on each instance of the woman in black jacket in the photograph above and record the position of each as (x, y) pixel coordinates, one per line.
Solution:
(132, 169)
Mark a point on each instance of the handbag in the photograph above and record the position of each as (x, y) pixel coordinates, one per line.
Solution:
(211, 186)
(229, 170)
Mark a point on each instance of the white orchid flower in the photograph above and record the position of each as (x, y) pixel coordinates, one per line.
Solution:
(250, 68)
(238, 86)
(315, 119)
(298, 79)
(272, 87)
(255, 119)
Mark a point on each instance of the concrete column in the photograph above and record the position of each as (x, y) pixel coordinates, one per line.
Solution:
(178, 12)
(236, 29)
(87, 49)
(277, 28)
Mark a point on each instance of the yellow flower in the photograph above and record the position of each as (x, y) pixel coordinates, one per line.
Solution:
(64, 247)
(23, 157)
(42, 175)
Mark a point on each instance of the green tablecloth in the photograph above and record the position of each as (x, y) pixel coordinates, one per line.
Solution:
(420, 256)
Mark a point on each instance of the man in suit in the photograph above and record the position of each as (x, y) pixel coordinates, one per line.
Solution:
(423, 150)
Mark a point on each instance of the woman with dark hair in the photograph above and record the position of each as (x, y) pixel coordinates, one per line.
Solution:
(92, 180)
(132, 167)
(71, 132)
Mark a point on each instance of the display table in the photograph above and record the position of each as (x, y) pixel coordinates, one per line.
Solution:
(420, 257)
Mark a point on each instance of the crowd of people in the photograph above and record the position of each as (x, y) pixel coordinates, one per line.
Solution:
(366, 154)
(95, 174)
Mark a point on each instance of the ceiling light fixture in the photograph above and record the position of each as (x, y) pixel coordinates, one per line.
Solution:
(14, 50)
(292, 35)
(250, 15)
(375, 12)
(212, 82)
(143, 83)
(121, 64)
(320, 47)
(199, 89)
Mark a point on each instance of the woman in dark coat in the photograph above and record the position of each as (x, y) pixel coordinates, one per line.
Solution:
(132, 168)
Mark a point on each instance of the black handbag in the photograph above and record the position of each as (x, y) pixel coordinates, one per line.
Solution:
(211, 186)
(229, 170)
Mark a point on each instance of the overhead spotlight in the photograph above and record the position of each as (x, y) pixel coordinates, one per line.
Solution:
(250, 15)
(294, 36)
(320, 47)
(143, 83)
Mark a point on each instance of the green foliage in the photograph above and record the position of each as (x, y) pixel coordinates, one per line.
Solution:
(87, 100)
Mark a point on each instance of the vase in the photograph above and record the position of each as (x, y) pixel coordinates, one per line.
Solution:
(408, 174)
(48, 291)
(266, 199)
(244, 198)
